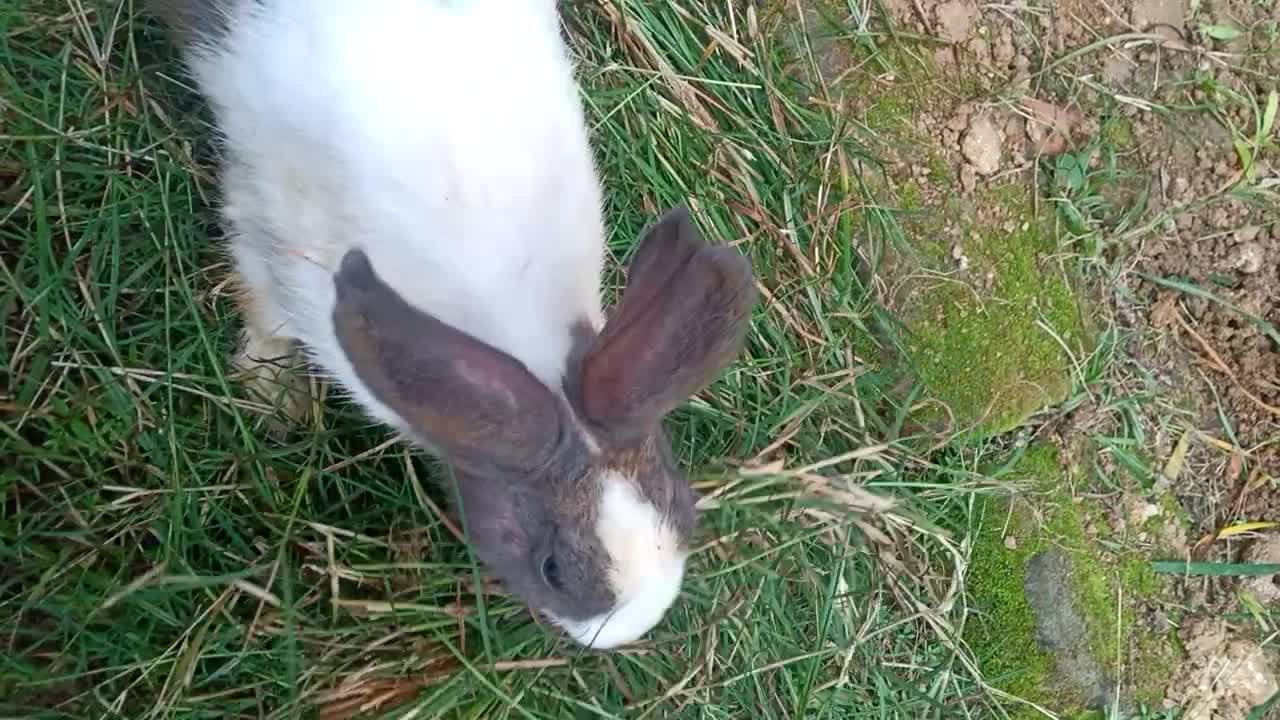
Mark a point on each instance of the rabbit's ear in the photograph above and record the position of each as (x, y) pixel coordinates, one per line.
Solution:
(683, 317)
(479, 407)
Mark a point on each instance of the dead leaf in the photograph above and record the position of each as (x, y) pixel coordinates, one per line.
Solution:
(1235, 465)
(1051, 129)
(1245, 527)
(1165, 311)
(1173, 468)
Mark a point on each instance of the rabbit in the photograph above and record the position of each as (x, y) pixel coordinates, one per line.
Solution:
(413, 211)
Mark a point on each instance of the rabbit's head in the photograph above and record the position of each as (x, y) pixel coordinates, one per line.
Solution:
(573, 499)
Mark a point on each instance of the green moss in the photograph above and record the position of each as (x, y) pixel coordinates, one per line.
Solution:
(983, 343)
(1117, 131)
(888, 114)
(939, 173)
(910, 197)
(976, 341)
(1002, 634)
(991, 354)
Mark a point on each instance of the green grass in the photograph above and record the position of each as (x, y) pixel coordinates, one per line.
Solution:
(163, 557)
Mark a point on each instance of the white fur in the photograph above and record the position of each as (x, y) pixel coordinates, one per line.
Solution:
(648, 565)
(446, 140)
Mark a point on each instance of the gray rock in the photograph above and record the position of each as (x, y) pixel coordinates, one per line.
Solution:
(981, 144)
(1060, 629)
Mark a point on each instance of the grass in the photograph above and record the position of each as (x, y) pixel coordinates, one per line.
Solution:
(166, 559)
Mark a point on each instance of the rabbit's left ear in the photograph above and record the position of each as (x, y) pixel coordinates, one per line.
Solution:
(457, 393)
(683, 317)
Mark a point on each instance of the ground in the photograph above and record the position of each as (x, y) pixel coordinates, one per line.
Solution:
(1005, 440)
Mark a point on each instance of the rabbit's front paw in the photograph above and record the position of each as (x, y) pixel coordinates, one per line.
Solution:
(270, 371)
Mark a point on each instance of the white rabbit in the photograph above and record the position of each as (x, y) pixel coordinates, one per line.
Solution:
(411, 199)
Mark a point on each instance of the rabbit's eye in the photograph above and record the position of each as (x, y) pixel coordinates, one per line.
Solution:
(551, 572)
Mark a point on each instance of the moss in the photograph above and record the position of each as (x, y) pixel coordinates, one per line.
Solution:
(986, 353)
(1002, 634)
(910, 197)
(1117, 131)
(938, 171)
(888, 114)
(975, 340)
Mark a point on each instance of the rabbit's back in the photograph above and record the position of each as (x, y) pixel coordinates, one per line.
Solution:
(444, 138)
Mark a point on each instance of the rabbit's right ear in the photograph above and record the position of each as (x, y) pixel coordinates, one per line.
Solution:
(683, 317)
(457, 393)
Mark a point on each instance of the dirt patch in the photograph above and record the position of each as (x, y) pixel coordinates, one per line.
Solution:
(955, 19)
(1237, 261)
(989, 317)
(1161, 16)
(1183, 108)
(1266, 588)
(1225, 677)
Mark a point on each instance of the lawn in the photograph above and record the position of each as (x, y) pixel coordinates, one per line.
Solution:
(165, 555)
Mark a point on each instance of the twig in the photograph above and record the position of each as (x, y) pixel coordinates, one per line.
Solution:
(1219, 365)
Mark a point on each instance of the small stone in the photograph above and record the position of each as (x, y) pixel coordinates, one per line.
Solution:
(955, 19)
(1117, 70)
(1141, 511)
(1060, 629)
(1248, 233)
(981, 145)
(1263, 587)
(1053, 128)
(1010, 542)
(1165, 312)
(1248, 258)
(981, 48)
(1003, 50)
(1161, 622)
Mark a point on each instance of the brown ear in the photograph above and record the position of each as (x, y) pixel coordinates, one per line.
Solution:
(479, 407)
(683, 317)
